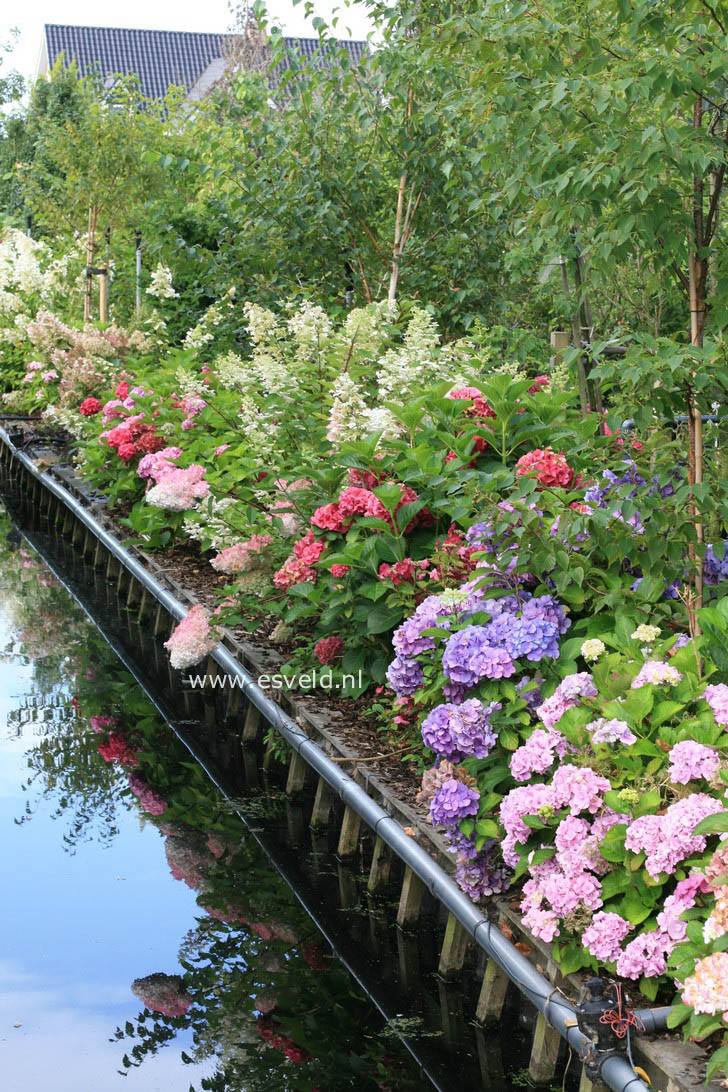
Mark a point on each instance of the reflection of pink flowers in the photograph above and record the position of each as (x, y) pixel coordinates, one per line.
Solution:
(268, 1030)
(118, 749)
(316, 957)
(163, 993)
(188, 858)
(99, 722)
(149, 800)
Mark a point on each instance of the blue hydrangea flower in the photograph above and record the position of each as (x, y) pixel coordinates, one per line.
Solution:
(454, 802)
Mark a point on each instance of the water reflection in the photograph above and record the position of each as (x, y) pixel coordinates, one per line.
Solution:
(146, 941)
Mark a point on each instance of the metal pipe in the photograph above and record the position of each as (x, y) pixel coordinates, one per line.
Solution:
(616, 1070)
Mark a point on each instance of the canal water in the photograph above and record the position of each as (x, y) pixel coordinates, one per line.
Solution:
(147, 941)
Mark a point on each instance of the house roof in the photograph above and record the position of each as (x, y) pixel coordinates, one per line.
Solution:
(160, 58)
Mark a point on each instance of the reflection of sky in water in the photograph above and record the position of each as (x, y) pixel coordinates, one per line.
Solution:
(75, 930)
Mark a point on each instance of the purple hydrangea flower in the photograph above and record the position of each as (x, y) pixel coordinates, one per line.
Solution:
(454, 802)
(405, 676)
(717, 698)
(455, 731)
(468, 657)
(715, 565)
(482, 876)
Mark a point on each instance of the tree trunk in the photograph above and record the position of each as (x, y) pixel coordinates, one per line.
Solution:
(90, 255)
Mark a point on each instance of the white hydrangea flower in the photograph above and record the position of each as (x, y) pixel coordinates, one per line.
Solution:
(347, 414)
(161, 286)
(592, 649)
(645, 633)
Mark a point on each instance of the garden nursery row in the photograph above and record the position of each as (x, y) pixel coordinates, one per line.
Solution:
(504, 562)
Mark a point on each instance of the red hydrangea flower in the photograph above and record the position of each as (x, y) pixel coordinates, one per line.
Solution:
(89, 407)
(126, 452)
(339, 570)
(149, 442)
(328, 649)
(401, 571)
(550, 467)
(122, 390)
(479, 408)
(329, 518)
(365, 479)
(293, 571)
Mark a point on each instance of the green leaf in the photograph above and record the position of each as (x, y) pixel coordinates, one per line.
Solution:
(713, 824)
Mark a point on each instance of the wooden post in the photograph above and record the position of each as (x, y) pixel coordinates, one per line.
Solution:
(559, 342)
(454, 946)
(545, 1050)
(492, 993)
(410, 900)
(252, 723)
(104, 295)
(379, 870)
(322, 804)
(349, 834)
(296, 775)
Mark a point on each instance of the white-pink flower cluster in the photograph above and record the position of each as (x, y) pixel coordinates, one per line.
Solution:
(177, 490)
(242, 556)
(192, 639)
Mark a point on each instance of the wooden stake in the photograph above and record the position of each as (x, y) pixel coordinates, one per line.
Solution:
(410, 900)
(322, 804)
(545, 1051)
(379, 870)
(296, 775)
(454, 946)
(252, 724)
(349, 834)
(492, 993)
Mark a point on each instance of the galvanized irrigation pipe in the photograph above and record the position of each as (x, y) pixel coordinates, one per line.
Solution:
(616, 1070)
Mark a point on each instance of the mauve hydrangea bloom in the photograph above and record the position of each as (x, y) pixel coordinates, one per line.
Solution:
(603, 939)
(242, 556)
(158, 463)
(611, 731)
(690, 760)
(482, 875)
(537, 754)
(550, 467)
(163, 993)
(668, 839)
(566, 695)
(192, 639)
(179, 490)
(716, 696)
(715, 564)
(455, 731)
(453, 802)
(328, 649)
(658, 673)
(579, 789)
(468, 657)
(645, 955)
(405, 676)
(149, 801)
(706, 989)
(525, 800)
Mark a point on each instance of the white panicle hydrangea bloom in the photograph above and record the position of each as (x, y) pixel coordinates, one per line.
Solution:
(204, 332)
(510, 367)
(231, 370)
(348, 413)
(208, 522)
(161, 286)
(403, 371)
(268, 368)
(383, 421)
(365, 327)
(10, 303)
(190, 385)
(310, 327)
(68, 419)
(261, 434)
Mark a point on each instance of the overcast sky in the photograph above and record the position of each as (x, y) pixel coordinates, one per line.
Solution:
(210, 15)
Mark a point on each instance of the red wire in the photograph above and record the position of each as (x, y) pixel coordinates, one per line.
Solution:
(618, 1021)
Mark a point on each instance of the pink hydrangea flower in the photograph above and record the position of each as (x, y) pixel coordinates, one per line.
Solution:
(717, 698)
(220, 448)
(668, 839)
(550, 467)
(658, 673)
(293, 571)
(101, 721)
(579, 789)
(149, 801)
(156, 465)
(309, 549)
(690, 760)
(706, 990)
(242, 556)
(192, 639)
(163, 993)
(537, 754)
(567, 694)
(603, 939)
